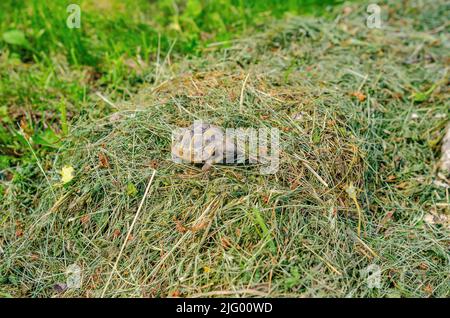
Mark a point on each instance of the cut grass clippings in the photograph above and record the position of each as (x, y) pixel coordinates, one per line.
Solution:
(355, 178)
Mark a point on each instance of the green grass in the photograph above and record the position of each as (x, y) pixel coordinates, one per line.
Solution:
(235, 232)
(115, 51)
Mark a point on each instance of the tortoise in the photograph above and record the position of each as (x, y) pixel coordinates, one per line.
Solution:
(204, 143)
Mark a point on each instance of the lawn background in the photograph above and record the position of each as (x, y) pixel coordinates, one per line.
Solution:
(50, 72)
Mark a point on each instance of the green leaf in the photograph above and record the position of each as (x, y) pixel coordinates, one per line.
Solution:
(47, 138)
(63, 111)
(214, 22)
(5, 136)
(294, 279)
(13, 280)
(423, 96)
(265, 230)
(190, 28)
(131, 189)
(193, 8)
(4, 114)
(419, 97)
(5, 161)
(15, 37)
(316, 136)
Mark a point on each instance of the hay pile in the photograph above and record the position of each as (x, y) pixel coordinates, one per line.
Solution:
(329, 87)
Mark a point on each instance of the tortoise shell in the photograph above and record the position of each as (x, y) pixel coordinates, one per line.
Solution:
(203, 143)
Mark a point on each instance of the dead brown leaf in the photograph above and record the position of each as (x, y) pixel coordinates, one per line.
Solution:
(176, 293)
(360, 96)
(199, 227)
(180, 227)
(103, 160)
(225, 241)
(428, 289)
(19, 229)
(85, 219)
(153, 164)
